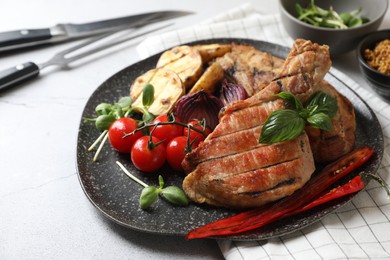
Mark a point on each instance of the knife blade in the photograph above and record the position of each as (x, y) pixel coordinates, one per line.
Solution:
(20, 73)
(18, 39)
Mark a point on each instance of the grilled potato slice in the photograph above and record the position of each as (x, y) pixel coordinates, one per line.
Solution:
(168, 88)
(212, 51)
(209, 80)
(185, 61)
(173, 54)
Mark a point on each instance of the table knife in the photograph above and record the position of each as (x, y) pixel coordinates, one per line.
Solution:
(12, 40)
(29, 70)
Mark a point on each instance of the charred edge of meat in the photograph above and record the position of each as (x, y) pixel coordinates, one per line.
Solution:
(229, 73)
(302, 145)
(257, 72)
(277, 186)
(280, 84)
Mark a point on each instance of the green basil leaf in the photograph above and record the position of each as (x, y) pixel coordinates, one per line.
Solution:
(103, 109)
(125, 102)
(103, 122)
(321, 121)
(175, 195)
(147, 95)
(291, 99)
(282, 125)
(320, 102)
(148, 196)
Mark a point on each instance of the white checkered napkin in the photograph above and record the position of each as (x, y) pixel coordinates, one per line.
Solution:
(361, 229)
(242, 22)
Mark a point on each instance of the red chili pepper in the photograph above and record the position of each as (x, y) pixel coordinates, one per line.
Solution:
(259, 217)
(354, 185)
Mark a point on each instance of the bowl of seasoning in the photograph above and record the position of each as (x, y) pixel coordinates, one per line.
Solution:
(373, 54)
(340, 24)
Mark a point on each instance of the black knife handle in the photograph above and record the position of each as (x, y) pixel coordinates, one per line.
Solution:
(18, 74)
(23, 38)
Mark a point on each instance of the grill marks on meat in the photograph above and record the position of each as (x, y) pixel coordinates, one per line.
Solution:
(254, 177)
(250, 68)
(305, 66)
(328, 146)
(230, 168)
(307, 57)
(239, 128)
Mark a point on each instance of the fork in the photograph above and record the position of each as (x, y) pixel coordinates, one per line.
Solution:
(29, 70)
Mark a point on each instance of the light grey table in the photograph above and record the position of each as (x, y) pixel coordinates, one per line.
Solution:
(44, 213)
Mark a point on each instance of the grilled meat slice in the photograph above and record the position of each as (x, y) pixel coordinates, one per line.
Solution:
(253, 177)
(307, 57)
(231, 169)
(250, 68)
(235, 119)
(309, 62)
(328, 146)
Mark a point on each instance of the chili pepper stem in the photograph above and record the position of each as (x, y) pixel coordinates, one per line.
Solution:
(379, 179)
(131, 176)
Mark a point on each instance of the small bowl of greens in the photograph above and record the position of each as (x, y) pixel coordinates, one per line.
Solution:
(340, 24)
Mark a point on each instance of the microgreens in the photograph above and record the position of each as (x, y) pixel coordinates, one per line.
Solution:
(317, 16)
(149, 194)
(107, 113)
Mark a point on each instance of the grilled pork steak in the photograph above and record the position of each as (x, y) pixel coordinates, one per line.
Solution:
(250, 68)
(230, 168)
(301, 75)
(329, 146)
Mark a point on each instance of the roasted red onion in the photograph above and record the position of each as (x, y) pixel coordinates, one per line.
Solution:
(198, 105)
(231, 92)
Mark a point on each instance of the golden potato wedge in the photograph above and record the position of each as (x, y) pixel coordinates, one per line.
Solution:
(139, 82)
(173, 54)
(210, 79)
(185, 61)
(212, 51)
(168, 88)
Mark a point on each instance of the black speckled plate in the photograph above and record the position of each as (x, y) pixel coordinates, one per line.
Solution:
(116, 195)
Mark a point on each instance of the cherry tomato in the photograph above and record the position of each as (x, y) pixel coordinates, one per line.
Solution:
(118, 129)
(194, 134)
(145, 159)
(166, 132)
(176, 151)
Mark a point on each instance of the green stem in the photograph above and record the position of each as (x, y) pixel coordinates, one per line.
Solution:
(131, 175)
(378, 179)
(97, 140)
(148, 125)
(100, 147)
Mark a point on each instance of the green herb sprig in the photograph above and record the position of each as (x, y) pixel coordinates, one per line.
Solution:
(107, 113)
(318, 16)
(150, 194)
(285, 125)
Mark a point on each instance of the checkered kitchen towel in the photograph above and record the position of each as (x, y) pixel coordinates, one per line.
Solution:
(359, 230)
